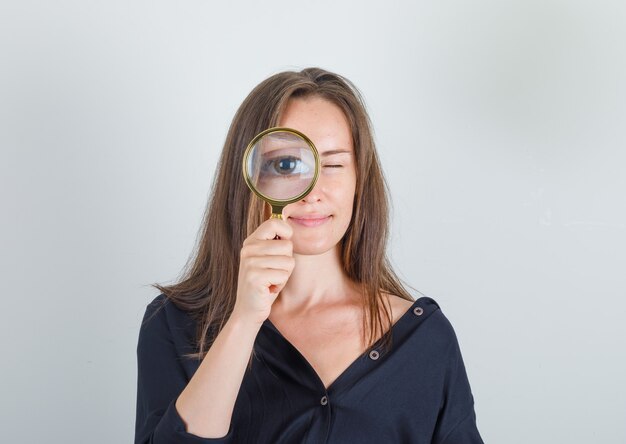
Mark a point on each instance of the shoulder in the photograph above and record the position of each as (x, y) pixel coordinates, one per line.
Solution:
(422, 307)
(154, 309)
(428, 316)
(163, 308)
(158, 313)
(399, 305)
(164, 321)
(435, 325)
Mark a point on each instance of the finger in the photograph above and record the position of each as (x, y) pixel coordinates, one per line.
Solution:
(285, 263)
(266, 278)
(279, 247)
(271, 228)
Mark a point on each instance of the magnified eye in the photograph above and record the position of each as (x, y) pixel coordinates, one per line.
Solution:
(284, 166)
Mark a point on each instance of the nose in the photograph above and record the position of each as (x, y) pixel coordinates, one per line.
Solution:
(316, 193)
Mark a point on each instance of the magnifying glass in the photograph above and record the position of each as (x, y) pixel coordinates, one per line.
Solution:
(281, 166)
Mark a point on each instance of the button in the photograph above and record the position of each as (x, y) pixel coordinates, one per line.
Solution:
(374, 355)
(418, 311)
(324, 400)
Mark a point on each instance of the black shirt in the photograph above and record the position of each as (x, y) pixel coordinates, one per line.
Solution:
(417, 392)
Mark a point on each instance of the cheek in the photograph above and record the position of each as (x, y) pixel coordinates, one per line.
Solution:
(348, 188)
(346, 203)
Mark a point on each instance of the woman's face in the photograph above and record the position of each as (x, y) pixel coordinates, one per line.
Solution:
(320, 220)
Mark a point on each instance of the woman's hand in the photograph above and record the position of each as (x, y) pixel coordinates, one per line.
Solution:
(264, 267)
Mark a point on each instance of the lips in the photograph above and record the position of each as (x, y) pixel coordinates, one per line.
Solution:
(310, 220)
(310, 216)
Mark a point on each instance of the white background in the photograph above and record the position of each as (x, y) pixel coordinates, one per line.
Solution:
(501, 127)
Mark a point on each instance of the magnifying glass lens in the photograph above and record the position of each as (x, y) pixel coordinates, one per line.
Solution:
(281, 165)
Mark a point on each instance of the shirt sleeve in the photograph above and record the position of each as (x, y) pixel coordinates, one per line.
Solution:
(465, 432)
(160, 379)
(456, 423)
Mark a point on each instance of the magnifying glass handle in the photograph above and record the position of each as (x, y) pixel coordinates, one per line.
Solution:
(277, 213)
(277, 216)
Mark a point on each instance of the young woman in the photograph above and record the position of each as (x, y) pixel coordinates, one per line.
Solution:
(311, 337)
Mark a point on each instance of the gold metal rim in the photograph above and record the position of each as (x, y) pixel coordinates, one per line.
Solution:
(273, 202)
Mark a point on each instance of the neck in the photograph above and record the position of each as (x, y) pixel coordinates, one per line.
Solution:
(316, 281)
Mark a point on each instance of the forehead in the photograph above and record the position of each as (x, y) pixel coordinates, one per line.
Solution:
(321, 120)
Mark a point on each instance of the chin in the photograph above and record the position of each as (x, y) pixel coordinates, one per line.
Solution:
(312, 248)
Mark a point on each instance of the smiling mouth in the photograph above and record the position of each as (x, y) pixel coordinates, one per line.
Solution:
(310, 222)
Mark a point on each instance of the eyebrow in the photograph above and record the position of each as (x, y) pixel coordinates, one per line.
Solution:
(331, 152)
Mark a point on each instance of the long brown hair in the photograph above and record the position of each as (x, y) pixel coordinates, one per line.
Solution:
(208, 286)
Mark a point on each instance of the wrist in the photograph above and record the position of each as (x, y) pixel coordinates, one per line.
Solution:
(244, 323)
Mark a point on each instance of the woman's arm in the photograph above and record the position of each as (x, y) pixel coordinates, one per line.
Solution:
(206, 404)
(209, 396)
(203, 408)
(456, 423)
